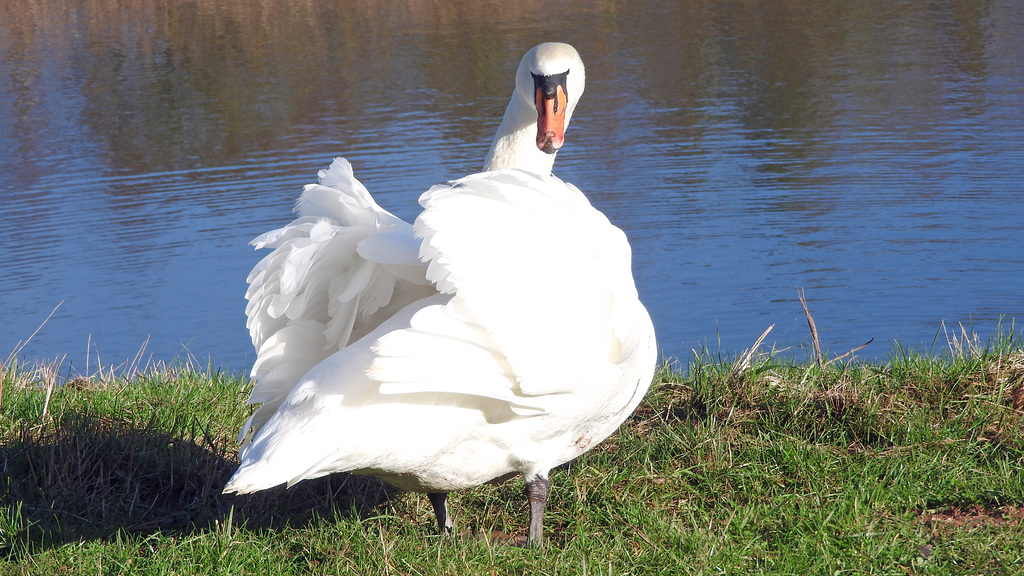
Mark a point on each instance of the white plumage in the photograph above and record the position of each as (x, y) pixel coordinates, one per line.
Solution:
(499, 334)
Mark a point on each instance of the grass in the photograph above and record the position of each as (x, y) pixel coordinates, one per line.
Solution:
(747, 465)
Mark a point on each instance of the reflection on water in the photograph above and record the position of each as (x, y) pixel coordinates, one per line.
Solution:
(869, 152)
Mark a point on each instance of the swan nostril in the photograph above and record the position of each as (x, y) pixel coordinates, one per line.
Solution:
(546, 143)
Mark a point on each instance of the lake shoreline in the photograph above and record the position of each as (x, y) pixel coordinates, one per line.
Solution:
(740, 464)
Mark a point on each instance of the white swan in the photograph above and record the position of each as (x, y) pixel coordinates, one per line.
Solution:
(500, 334)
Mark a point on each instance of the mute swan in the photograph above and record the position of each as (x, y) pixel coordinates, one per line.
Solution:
(499, 334)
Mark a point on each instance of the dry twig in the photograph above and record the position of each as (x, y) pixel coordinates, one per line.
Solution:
(814, 335)
(810, 323)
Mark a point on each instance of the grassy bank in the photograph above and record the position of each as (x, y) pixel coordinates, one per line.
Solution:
(750, 465)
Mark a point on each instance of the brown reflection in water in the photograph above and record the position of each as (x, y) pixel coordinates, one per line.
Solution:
(169, 84)
(174, 84)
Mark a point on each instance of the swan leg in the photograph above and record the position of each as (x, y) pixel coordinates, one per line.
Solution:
(439, 500)
(537, 494)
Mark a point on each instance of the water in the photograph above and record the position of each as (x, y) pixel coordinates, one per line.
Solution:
(870, 154)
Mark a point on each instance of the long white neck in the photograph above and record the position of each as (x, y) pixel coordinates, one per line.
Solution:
(515, 144)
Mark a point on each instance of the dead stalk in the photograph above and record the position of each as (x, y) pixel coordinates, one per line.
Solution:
(746, 359)
(964, 346)
(19, 348)
(810, 323)
(22, 345)
(49, 376)
(133, 367)
(46, 404)
(814, 335)
(850, 352)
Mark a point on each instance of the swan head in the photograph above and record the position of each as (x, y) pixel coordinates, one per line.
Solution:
(552, 75)
(549, 83)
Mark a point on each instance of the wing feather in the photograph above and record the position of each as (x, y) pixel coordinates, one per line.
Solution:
(328, 281)
(543, 300)
(528, 257)
(444, 355)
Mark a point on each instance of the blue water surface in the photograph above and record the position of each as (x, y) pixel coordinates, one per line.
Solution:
(870, 155)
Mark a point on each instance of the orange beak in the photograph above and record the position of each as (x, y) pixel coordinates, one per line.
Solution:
(551, 119)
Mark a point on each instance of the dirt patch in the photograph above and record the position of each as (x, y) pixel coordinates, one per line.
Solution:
(973, 516)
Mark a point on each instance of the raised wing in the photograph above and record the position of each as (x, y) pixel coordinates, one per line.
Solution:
(336, 272)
